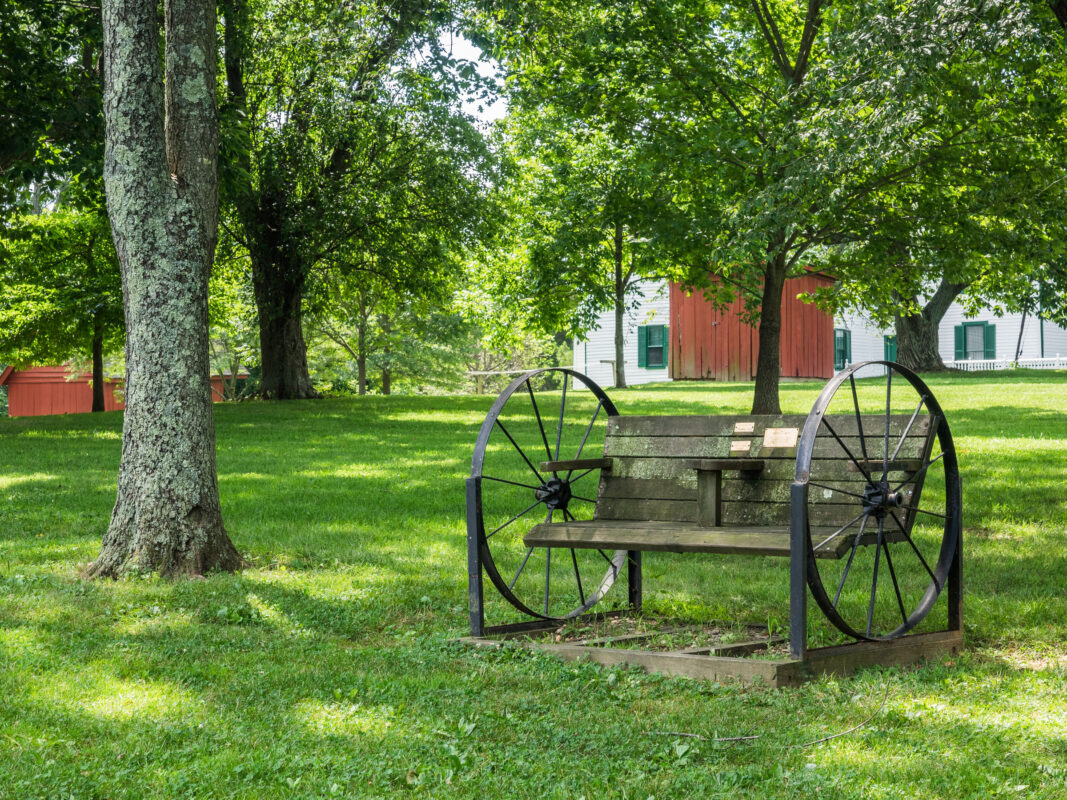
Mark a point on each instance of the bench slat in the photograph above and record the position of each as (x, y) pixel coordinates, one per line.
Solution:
(719, 448)
(843, 424)
(772, 540)
(733, 513)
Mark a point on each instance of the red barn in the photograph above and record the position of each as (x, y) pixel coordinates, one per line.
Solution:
(709, 344)
(37, 391)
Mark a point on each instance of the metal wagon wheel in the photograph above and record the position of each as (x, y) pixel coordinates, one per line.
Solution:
(899, 491)
(514, 493)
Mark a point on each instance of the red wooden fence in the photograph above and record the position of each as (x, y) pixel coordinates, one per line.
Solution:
(37, 391)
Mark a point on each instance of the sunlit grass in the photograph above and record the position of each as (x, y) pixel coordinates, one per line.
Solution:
(325, 669)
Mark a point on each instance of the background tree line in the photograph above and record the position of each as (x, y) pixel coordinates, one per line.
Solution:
(915, 151)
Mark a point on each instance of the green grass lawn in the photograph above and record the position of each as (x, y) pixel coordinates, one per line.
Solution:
(326, 670)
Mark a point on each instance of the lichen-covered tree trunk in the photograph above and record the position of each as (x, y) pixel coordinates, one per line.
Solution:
(160, 175)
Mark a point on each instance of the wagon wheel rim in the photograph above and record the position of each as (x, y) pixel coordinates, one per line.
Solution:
(888, 506)
(554, 496)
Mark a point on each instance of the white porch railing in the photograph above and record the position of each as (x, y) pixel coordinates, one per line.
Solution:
(979, 364)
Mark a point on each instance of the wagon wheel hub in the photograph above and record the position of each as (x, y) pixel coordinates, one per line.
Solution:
(555, 494)
(879, 499)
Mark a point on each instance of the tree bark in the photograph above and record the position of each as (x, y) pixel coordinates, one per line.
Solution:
(917, 334)
(769, 363)
(98, 367)
(361, 347)
(279, 294)
(620, 312)
(387, 369)
(160, 173)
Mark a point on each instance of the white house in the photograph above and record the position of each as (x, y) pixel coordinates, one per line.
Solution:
(595, 357)
(981, 342)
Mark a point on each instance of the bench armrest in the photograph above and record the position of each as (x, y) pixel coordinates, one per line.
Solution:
(576, 463)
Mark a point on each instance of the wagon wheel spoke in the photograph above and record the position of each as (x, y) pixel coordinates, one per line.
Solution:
(520, 514)
(919, 473)
(834, 489)
(614, 569)
(573, 481)
(522, 566)
(841, 530)
(851, 556)
(911, 542)
(548, 563)
(521, 451)
(859, 420)
(513, 483)
(577, 576)
(588, 430)
(907, 430)
(874, 579)
(540, 425)
(584, 499)
(844, 447)
(896, 586)
(562, 411)
(924, 511)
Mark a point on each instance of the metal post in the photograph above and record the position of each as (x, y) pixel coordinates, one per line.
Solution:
(474, 559)
(955, 589)
(798, 570)
(633, 579)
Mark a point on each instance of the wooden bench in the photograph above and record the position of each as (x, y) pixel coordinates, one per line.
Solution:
(721, 484)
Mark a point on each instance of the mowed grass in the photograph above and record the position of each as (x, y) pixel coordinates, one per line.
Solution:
(326, 669)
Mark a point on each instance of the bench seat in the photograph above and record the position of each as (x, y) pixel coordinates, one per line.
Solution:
(684, 537)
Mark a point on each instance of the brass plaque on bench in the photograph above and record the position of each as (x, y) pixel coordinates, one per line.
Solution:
(741, 428)
(780, 437)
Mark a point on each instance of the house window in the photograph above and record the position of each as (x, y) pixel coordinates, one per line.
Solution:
(889, 348)
(976, 340)
(842, 348)
(652, 346)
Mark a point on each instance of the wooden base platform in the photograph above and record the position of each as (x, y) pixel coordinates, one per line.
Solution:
(839, 660)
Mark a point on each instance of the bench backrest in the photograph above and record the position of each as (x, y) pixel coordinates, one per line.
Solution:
(649, 478)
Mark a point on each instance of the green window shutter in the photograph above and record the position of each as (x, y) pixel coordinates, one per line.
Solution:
(990, 333)
(961, 344)
(848, 348)
(656, 349)
(889, 348)
(642, 345)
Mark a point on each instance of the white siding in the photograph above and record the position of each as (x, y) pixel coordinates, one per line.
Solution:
(1055, 340)
(595, 355)
(868, 341)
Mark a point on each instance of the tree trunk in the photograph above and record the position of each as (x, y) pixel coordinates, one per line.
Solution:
(160, 174)
(387, 368)
(620, 313)
(279, 296)
(361, 347)
(98, 367)
(769, 364)
(917, 337)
